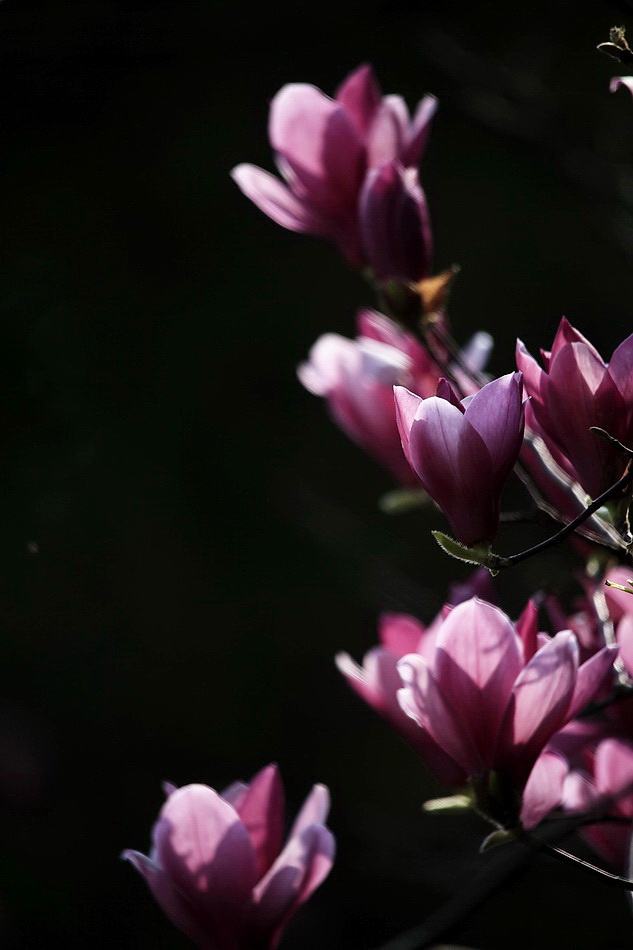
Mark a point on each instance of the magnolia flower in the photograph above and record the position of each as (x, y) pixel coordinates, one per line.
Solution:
(575, 391)
(463, 452)
(378, 682)
(217, 867)
(324, 148)
(356, 378)
(493, 694)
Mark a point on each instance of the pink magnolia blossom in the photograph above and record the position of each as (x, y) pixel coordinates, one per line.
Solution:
(463, 452)
(575, 391)
(324, 148)
(357, 377)
(378, 682)
(217, 866)
(493, 694)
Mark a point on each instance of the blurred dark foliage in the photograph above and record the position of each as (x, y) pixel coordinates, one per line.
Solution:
(185, 539)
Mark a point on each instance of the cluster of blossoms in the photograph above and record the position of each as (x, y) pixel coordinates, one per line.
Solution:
(520, 722)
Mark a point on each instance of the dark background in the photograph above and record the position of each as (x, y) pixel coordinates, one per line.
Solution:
(186, 540)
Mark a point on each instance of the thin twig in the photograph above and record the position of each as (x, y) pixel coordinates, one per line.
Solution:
(497, 562)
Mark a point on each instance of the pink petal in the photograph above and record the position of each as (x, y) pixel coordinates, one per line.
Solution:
(314, 810)
(478, 657)
(304, 863)
(422, 700)
(320, 143)
(593, 676)
(261, 811)
(400, 633)
(624, 82)
(203, 847)
(496, 413)
(185, 916)
(277, 201)
(568, 334)
(407, 404)
(625, 641)
(360, 95)
(544, 788)
(418, 132)
(234, 793)
(532, 372)
(614, 768)
(386, 137)
(322, 373)
(394, 224)
(540, 701)
(621, 369)
(527, 629)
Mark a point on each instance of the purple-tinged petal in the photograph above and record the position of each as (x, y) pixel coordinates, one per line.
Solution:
(400, 633)
(565, 334)
(418, 132)
(478, 657)
(532, 373)
(593, 677)
(618, 601)
(386, 137)
(624, 82)
(496, 413)
(234, 793)
(422, 699)
(304, 863)
(478, 584)
(579, 792)
(314, 810)
(277, 201)
(320, 143)
(378, 683)
(625, 642)
(620, 369)
(322, 371)
(540, 700)
(407, 404)
(454, 467)
(614, 769)
(360, 94)
(446, 391)
(570, 392)
(527, 629)
(475, 354)
(394, 224)
(181, 912)
(261, 811)
(544, 788)
(203, 847)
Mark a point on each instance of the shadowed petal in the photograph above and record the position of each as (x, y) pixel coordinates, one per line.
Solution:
(540, 699)
(184, 915)
(304, 863)
(544, 788)
(201, 844)
(360, 94)
(261, 811)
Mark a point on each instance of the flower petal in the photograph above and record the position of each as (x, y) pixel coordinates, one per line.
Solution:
(261, 811)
